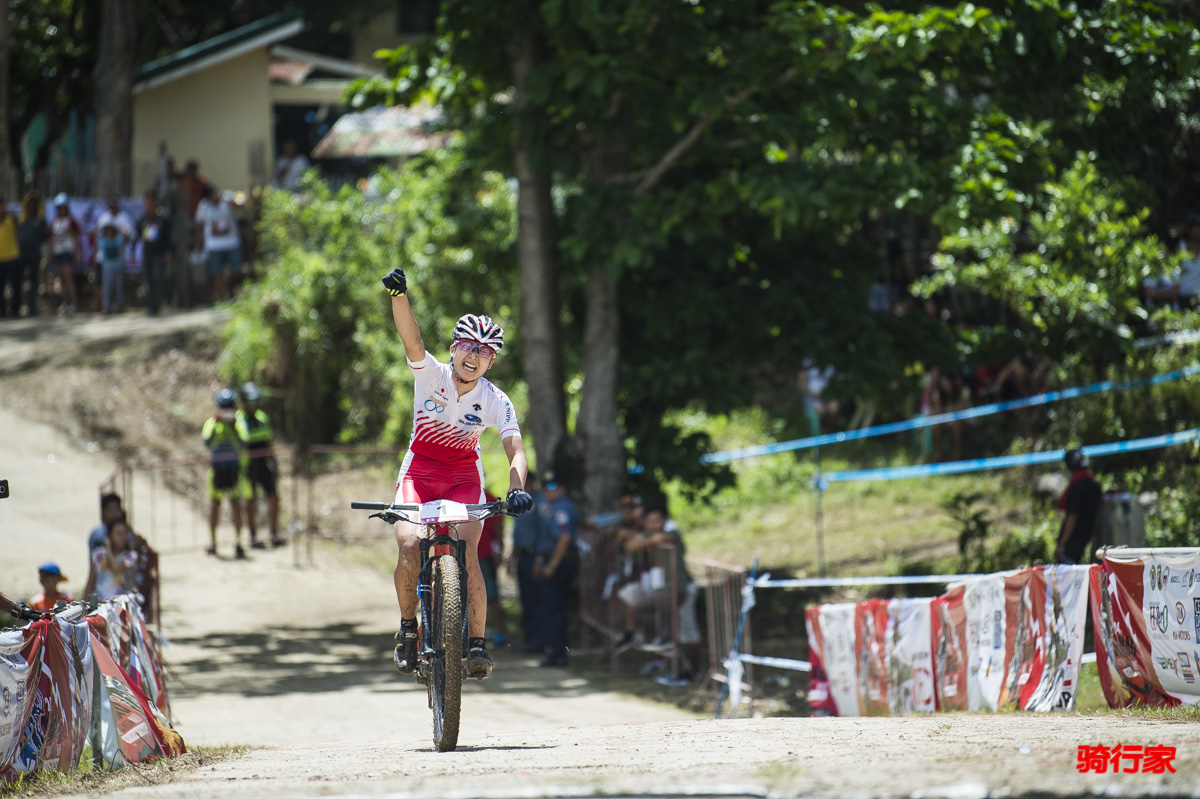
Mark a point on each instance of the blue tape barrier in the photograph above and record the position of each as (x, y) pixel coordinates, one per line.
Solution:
(840, 582)
(1005, 461)
(943, 418)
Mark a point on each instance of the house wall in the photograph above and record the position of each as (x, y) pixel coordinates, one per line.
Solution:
(220, 116)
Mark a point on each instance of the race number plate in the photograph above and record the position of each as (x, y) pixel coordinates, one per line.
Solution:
(441, 511)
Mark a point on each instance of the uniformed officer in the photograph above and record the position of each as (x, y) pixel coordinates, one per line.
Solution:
(555, 565)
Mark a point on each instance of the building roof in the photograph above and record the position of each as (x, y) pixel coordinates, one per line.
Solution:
(210, 52)
(384, 133)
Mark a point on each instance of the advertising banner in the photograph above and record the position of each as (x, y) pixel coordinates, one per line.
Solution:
(20, 670)
(1062, 644)
(983, 601)
(949, 614)
(837, 628)
(820, 700)
(871, 621)
(910, 657)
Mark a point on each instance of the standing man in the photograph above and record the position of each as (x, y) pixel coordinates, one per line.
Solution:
(66, 249)
(1081, 501)
(555, 565)
(154, 231)
(524, 543)
(227, 474)
(217, 237)
(115, 266)
(10, 262)
(254, 429)
(290, 167)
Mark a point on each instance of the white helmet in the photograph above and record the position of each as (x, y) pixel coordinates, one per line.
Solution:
(479, 328)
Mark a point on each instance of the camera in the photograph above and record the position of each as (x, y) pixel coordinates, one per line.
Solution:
(3, 489)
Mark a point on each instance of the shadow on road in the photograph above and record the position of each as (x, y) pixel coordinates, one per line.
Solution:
(335, 657)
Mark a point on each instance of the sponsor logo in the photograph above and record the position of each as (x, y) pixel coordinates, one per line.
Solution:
(1185, 667)
(477, 407)
(997, 619)
(1158, 576)
(1180, 613)
(1158, 616)
(435, 404)
(1196, 617)
(1189, 577)
(6, 707)
(470, 418)
(1181, 635)
(1165, 663)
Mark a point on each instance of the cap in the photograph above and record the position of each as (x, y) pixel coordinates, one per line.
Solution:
(251, 392)
(549, 480)
(52, 568)
(61, 199)
(1075, 460)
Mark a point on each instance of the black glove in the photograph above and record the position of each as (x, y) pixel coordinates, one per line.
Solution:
(395, 282)
(519, 501)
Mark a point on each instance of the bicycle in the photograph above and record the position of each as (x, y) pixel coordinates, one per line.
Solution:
(442, 593)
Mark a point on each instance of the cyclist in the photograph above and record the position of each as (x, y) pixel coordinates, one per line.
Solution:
(227, 474)
(452, 404)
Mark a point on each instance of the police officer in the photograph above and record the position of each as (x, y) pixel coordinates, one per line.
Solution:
(554, 566)
(254, 429)
(524, 541)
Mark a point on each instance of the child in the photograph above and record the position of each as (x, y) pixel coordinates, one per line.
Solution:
(49, 575)
(113, 568)
(110, 254)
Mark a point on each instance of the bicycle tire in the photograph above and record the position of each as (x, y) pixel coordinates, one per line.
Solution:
(445, 684)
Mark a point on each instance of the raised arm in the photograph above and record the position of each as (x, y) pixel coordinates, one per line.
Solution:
(406, 324)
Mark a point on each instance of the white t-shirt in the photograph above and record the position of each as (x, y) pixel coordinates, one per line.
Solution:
(120, 221)
(287, 173)
(447, 427)
(220, 228)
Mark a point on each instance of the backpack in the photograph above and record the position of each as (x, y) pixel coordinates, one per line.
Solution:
(226, 466)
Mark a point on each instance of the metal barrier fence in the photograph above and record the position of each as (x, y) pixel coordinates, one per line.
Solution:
(621, 591)
(725, 585)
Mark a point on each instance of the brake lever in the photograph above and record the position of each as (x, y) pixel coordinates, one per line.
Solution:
(389, 516)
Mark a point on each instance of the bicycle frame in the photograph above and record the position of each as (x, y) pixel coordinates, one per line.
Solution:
(433, 546)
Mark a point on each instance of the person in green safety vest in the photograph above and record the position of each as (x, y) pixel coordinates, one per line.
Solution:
(227, 474)
(254, 428)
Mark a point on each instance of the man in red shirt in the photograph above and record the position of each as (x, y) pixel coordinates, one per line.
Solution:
(491, 556)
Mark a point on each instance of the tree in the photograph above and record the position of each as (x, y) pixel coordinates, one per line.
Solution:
(112, 167)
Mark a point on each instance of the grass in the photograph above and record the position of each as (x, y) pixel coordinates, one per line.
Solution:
(87, 780)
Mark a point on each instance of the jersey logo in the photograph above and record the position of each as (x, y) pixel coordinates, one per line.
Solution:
(477, 406)
(470, 418)
(435, 404)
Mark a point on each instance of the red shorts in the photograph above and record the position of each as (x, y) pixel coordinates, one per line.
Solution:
(425, 480)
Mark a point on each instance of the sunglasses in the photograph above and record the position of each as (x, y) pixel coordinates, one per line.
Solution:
(482, 350)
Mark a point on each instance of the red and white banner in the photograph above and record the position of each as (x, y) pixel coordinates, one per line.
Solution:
(1146, 619)
(49, 673)
(1004, 640)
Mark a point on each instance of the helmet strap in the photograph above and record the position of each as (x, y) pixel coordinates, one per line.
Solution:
(458, 379)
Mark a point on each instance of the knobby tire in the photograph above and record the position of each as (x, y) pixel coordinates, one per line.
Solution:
(445, 684)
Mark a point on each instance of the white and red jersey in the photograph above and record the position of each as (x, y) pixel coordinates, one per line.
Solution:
(446, 426)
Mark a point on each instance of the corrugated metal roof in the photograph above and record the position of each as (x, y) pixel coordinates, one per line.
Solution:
(384, 133)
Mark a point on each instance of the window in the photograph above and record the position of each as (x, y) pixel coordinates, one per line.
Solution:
(414, 17)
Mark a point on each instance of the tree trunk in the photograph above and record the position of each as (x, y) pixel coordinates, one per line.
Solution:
(597, 429)
(112, 167)
(8, 186)
(541, 327)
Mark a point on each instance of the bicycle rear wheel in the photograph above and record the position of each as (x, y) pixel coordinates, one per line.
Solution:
(445, 687)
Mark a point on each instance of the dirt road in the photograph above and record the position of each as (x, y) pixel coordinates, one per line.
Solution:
(294, 662)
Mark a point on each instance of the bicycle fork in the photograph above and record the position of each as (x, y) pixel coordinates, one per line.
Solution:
(435, 547)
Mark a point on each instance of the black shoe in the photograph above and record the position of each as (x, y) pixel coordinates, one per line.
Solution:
(239, 553)
(479, 662)
(256, 544)
(558, 661)
(210, 550)
(405, 655)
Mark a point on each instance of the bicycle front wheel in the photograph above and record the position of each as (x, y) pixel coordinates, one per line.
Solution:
(445, 687)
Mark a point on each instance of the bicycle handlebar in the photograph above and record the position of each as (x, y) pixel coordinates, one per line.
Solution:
(478, 511)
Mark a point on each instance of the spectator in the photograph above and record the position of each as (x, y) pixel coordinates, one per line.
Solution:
(262, 470)
(217, 238)
(1183, 290)
(10, 263)
(1081, 502)
(31, 237)
(123, 222)
(110, 511)
(65, 251)
(154, 231)
(491, 556)
(50, 576)
(554, 566)
(948, 393)
(631, 521)
(290, 167)
(637, 596)
(113, 567)
(110, 254)
(191, 186)
(812, 382)
(227, 474)
(524, 544)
